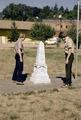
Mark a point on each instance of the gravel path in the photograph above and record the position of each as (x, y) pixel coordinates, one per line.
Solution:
(8, 86)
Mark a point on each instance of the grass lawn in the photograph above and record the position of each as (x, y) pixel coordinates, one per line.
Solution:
(54, 59)
(53, 104)
(61, 104)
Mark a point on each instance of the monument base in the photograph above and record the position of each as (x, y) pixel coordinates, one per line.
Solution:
(40, 76)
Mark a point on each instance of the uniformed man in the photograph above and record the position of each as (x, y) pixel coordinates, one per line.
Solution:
(17, 75)
(69, 56)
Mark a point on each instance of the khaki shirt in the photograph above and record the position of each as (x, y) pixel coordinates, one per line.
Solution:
(18, 45)
(68, 45)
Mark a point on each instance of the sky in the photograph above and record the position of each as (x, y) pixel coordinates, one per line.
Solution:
(40, 3)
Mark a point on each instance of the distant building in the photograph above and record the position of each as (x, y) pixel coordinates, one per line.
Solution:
(5, 26)
(64, 24)
(25, 26)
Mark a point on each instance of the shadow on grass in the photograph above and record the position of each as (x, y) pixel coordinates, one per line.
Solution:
(24, 76)
(20, 78)
(62, 78)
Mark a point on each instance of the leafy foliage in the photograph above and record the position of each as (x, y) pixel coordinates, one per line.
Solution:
(41, 31)
(14, 34)
(20, 12)
(24, 12)
(72, 32)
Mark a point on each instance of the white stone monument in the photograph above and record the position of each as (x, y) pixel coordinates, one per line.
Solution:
(40, 74)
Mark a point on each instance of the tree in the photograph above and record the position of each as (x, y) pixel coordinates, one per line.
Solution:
(61, 10)
(36, 11)
(45, 12)
(75, 11)
(24, 12)
(66, 13)
(55, 10)
(41, 32)
(10, 12)
(17, 12)
(14, 34)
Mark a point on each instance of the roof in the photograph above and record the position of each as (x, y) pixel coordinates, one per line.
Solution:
(7, 24)
(27, 25)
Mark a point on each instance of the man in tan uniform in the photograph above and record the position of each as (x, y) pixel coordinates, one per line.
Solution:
(69, 56)
(17, 75)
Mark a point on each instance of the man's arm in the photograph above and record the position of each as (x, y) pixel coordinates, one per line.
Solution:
(19, 51)
(69, 53)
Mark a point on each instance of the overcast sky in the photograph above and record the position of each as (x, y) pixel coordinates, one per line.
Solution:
(40, 3)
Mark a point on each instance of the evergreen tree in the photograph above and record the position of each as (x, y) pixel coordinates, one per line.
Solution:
(14, 34)
(41, 32)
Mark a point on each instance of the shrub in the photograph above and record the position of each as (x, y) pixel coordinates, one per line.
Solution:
(14, 34)
(41, 31)
(72, 32)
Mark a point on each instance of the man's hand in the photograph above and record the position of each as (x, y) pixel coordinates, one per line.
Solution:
(66, 62)
(21, 59)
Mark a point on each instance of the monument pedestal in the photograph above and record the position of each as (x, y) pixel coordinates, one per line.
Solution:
(40, 74)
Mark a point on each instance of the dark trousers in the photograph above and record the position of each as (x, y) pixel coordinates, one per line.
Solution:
(68, 68)
(17, 74)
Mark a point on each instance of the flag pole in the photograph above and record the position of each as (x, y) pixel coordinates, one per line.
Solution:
(77, 38)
